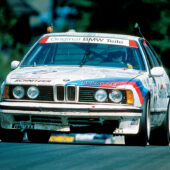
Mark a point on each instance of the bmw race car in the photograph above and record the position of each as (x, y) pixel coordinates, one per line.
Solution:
(87, 82)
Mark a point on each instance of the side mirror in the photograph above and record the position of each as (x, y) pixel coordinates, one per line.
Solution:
(14, 64)
(157, 71)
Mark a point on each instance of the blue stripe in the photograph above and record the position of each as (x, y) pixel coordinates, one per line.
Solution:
(102, 81)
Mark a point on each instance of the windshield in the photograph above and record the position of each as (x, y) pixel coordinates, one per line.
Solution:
(84, 54)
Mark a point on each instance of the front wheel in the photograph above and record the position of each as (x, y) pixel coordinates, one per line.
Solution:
(160, 136)
(143, 135)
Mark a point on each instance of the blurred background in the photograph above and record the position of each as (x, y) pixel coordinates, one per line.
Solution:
(22, 22)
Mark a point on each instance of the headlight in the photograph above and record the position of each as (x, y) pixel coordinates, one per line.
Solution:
(115, 96)
(18, 92)
(33, 92)
(100, 95)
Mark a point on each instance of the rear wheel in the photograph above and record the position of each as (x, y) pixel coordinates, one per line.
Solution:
(143, 135)
(160, 136)
(38, 136)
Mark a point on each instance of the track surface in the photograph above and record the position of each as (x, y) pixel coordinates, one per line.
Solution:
(82, 157)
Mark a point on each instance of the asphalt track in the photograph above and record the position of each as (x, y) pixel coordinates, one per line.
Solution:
(60, 156)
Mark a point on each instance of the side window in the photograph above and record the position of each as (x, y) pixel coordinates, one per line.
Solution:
(158, 60)
(155, 63)
(153, 58)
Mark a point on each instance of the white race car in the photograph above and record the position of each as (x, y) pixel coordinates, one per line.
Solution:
(87, 82)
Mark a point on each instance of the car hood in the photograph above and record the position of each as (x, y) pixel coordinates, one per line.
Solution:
(63, 75)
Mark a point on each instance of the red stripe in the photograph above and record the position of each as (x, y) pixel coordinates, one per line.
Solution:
(116, 84)
(43, 40)
(138, 91)
(133, 44)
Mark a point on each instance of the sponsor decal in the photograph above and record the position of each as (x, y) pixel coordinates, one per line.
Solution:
(114, 83)
(113, 41)
(32, 81)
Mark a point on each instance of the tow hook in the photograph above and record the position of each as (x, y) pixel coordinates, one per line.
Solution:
(22, 125)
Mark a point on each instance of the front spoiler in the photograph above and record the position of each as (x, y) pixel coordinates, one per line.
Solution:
(69, 109)
(127, 116)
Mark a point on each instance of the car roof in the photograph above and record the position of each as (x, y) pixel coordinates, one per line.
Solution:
(90, 34)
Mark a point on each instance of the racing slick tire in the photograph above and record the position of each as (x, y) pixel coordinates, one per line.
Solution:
(143, 135)
(38, 136)
(160, 136)
(7, 135)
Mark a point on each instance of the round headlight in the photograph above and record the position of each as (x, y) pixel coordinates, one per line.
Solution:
(115, 96)
(33, 92)
(100, 95)
(18, 92)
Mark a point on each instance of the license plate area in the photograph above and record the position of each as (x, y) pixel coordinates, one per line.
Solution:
(23, 126)
(27, 126)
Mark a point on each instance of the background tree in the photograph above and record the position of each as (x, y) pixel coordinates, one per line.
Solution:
(10, 48)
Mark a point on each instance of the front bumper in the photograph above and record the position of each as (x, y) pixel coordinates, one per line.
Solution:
(63, 117)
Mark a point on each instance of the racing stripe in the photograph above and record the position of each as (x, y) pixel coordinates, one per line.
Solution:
(114, 83)
(141, 91)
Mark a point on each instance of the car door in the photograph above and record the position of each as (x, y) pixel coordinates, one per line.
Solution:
(159, 84)
(163, 88)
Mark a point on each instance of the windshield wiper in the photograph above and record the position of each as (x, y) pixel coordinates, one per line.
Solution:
(86, 56)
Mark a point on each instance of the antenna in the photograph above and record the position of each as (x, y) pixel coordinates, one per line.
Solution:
(136, 26)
